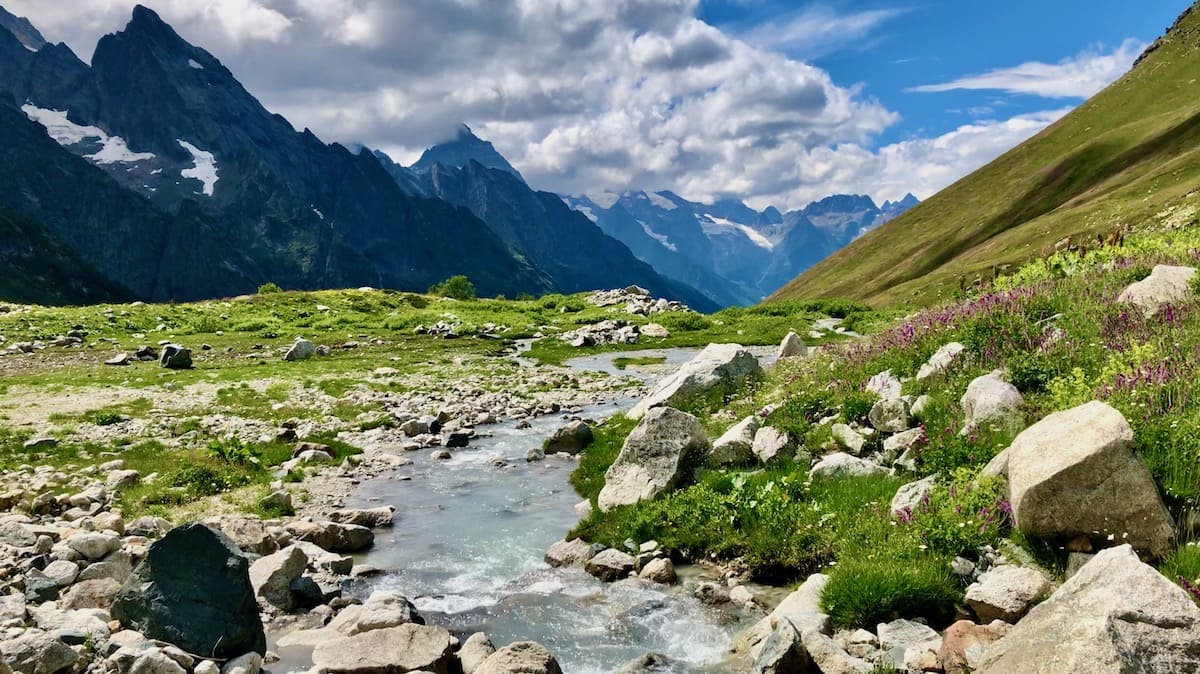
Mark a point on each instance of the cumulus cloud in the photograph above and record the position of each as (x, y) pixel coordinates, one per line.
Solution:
(1080, 76)
(580, 95)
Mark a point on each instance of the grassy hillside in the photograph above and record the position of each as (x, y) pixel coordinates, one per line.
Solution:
(1118, 160)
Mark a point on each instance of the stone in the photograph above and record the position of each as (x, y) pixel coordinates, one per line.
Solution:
(250, 663)
(920, 405)
(651, 663)
(840, 463)
(735, 446)
(475, 650)
(772, 445)
(896, 445)
(830, 658)
(40, 589)
(372, 518)
(847, 438)
(332, 536)
(655, 331)
(1164, 285)
(717, 366)
(193, 590)
(207, 667)
(119, 359)
(1075, 473)
(302, 349)
(40, 443)
(154, 661)
(320, 558)
(574, 552)
(384, 609)
(62, 572)
(991, 401)
(964, 644)
(93, 545)
(534, 455)
(272, 576)
(406, 648)
(889, 416)
(36, 652)
(659, 571)
(940, 361)
(801, 608)
(118, 566)
(909, 497)
(17, 535)
(118, 480)
(248, 533)
(176, 357)
(570, 439)
(610, 565)
(905, 642)
(150, 527)
(792, 347)
(783, 651)
(522, 657)
(885, 385)
(98, 593)
(1006, 593)
(1116, 615)
(664, 445)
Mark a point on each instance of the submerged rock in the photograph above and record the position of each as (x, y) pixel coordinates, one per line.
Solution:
(570, 439)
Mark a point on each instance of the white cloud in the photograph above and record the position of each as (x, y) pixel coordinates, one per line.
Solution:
(1080, 76)
(819, 29)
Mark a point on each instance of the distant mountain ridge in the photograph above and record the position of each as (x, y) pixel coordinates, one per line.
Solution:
(727, 249)
(217, 195)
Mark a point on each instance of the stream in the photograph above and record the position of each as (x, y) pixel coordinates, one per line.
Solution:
(469, 539)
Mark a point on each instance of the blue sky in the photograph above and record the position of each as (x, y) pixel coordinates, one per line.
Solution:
(907, 45)
(773, 102)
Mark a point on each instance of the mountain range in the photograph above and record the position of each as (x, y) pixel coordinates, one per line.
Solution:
(152, 173)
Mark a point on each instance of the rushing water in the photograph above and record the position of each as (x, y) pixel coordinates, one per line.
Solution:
(467, 549)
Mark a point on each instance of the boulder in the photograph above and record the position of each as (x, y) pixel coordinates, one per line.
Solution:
(93, 545)
(98, 593)
(193, 590)
(302, 349)
(659, 570)
(406, 648)
(964, 644)
(906, 643)
(655, 457)
(36, 652)
(897, 445)
(1115, 615)
(1164, 285)
(610, 565)
(991, 401)
(154, 661)
(372, 518)
(574, 552)
(889, 416)
(736, 445)
(655, 330)
(847, 438)
(783, 651)
(830, 658)
(801, 608)
(771, 444)
(1006, 593)
(910, 496)
(1075, 473)
(62, 572)
(250, 663)
(717, 366)
(940, 361)
(248, 533)
(272, 576)
(332, 536)
(118, 566)
(792, 347)
(570, 439)
(475, 650)
(840, 463)
(522, 657)
(651, 663)
(176, 357)
(384, 609)
(885, 385)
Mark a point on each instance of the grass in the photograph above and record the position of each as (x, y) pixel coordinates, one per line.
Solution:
(1123, 157)
(622, 362)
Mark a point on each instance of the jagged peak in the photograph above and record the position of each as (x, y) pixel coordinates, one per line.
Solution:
(24, 30)
(464, 148)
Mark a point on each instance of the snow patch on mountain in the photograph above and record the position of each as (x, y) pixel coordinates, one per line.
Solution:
(604, 200)
(113, 149)
(661, 201)
(587, 212)
(713, 225)
(666, 242)
(193, 64)
(204, 168)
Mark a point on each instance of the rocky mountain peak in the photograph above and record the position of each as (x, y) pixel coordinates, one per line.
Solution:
(461, 150)
(24, 31)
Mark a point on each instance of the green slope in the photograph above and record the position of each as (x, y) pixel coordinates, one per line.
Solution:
(1119, 159)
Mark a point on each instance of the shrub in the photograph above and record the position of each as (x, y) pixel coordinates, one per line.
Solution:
(962, 516)
(685, 321)
(456, 287)
(864, 593)
(269, 289)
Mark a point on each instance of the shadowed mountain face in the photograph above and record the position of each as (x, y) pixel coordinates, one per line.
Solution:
(193, 189)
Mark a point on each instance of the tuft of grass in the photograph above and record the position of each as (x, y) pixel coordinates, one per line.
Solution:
(623, 362)
(863, 593)
(1183, 567)
(608, 437)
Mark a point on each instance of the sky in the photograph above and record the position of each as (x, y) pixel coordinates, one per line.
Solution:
(775, 102)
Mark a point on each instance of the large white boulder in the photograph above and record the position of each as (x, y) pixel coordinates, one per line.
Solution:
(1075, 473)
(658, 452)
(991, 401)
(1164, 285)
(1006, 593)
(718, 365)
(1116, 615)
